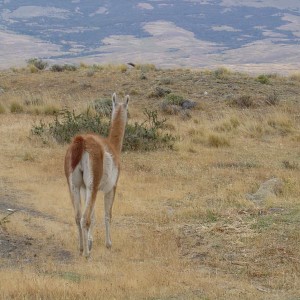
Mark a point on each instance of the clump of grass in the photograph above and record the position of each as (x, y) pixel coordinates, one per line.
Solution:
(62, 68)
(51, 110)
(143, 136)
(38, 64)
(145, 67)
(242, 101)
(158, 92)
(228, 125)
(263, 79)
(222, 73)
(2, 109)
(281, 123)
(272, 98)
(35, 101)
(28, 157)
(217, 141)
(16, 107)
(295, 76)
(290, 165)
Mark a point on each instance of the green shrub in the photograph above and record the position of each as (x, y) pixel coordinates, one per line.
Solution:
(174, 99)
(263, 79)
(143, 136)
(147, 136)
(62, 68)
(16, 107)
(103, 107)
(37, 63)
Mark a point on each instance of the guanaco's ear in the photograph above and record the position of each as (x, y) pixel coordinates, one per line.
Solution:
(127, 100)
(114, 100)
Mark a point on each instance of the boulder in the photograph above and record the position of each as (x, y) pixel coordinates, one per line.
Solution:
(269, 188)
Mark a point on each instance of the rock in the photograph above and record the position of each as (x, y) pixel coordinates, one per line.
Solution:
(269, 188)
(188, 104)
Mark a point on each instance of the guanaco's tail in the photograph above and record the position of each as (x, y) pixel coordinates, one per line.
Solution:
(76, 148)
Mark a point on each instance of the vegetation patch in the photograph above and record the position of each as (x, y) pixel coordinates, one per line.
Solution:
(103, 107)
(263, 79)
(174, 104)
(144, 136)
(37, 63)
(217, 141)
(62, 68)
(2, 109)
(16, 107)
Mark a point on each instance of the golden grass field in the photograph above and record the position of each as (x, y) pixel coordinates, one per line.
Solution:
(182, 226)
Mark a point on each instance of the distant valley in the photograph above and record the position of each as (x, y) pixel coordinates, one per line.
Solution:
(245, 35)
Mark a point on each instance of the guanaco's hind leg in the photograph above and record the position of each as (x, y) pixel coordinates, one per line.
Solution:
(86, 220)
(108, 203)
(75, 196)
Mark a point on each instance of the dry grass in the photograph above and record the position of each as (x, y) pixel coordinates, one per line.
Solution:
(182, 226)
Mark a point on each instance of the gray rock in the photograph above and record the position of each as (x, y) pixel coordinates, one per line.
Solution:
(269, 188)
(188, 104)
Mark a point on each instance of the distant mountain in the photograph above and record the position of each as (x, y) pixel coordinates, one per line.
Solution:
(168, 33)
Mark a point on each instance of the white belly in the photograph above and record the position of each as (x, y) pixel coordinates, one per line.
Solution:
(110, 173)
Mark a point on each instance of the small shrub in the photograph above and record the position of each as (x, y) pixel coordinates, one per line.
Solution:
(272, 99)
(103, 107)
(33, 101)
(221, 73)
(37, 63)
(243, 101)
(158, 92)
(263, 79)
(174, 99)
(147, 136)
(165, 80)
(146, 67)
(90, 73)
(62, 68)
(16, 107)
(217, 141)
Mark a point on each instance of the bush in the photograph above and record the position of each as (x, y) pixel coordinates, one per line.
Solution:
(37, 63)
(158, 92)
(263, 79)
(243, 101)
(62, 68)
(147, 136)
(221, 73)
(103, 107)
(16, 108)
(143, 136)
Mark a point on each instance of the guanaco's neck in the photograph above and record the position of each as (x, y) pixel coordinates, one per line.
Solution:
(117, 130)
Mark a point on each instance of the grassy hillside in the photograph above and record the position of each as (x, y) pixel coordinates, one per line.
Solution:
(182, 227)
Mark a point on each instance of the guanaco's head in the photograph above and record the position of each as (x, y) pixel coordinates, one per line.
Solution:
(119, 109)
